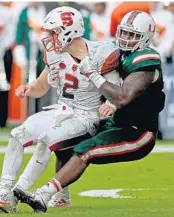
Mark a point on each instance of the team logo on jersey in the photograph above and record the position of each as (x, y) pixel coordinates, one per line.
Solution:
(123, 60)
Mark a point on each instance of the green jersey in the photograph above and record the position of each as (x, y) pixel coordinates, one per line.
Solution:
(143, 111)
(146, 60)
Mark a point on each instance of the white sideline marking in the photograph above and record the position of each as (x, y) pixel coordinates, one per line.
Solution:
(163, 149)
(157, 149)
(114, 193)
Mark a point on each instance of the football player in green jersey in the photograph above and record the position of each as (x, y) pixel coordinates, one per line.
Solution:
(131, 133)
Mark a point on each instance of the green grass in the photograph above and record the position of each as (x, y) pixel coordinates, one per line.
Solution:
(3, 143)
(6, 130)
(166, 142)
(154, 175)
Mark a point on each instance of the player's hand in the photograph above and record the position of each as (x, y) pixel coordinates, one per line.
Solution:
(22, 91)
(88, 66)
(106, 110)
(53, 76)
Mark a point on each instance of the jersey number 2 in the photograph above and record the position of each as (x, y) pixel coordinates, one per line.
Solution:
(72, 83)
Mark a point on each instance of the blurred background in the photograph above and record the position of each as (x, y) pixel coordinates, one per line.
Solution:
(21, 51)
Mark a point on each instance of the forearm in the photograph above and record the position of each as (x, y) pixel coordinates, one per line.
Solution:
(39, 87)
(132, 86)
(36, 89)
(114, 78)
(112, 92)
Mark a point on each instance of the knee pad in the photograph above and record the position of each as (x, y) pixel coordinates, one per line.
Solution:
(21, 135)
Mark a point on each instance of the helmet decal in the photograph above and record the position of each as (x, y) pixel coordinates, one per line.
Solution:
(66, 18)
(132, 17)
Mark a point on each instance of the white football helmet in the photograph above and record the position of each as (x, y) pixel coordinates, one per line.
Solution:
(61, 26)
(135, 31)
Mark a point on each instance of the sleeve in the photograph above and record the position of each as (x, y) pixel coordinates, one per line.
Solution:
(146, 61)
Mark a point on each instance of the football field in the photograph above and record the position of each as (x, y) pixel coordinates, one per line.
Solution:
(137, 189)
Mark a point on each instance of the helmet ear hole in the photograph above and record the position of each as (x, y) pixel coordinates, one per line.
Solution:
(66, 34)
(69, 40)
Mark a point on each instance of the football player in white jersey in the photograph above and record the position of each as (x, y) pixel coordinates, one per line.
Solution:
(76, 112)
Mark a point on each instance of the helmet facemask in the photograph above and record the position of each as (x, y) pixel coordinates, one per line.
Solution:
(136, 41)
(51, 40)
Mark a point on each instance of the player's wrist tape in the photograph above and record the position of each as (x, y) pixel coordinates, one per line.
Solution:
(97, 79)
(56, 184)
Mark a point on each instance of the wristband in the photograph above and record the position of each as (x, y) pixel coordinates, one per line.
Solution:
(97, 79)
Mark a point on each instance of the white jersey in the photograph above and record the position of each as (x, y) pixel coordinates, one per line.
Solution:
(76, 89)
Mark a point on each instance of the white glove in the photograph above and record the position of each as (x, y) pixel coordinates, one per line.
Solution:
(53, 75)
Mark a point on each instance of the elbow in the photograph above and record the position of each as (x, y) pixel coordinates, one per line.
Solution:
(121, 101)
